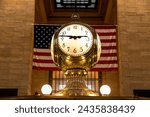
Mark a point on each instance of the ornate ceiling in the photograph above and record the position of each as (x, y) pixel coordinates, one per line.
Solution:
(90, 11)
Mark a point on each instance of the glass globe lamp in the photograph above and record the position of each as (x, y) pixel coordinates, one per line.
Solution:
(105, 90)
(46, 89)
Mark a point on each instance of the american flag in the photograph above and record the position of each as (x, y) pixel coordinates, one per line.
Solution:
(42, 57)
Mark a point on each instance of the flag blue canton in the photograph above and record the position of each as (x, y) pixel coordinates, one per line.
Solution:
(43, 35)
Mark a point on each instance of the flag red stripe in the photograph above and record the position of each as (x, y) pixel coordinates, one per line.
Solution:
(42, 61)
(103, 27)
(58, 69)
(47, 68)
(51, 61)
(108, 62)
(107, 34)
(102, 54)
(108, 47)
(108, 40)
(104, 69)
(42, 53)
(108, 54)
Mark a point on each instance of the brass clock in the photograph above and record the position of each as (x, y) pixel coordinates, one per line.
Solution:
(75, 48)
(75, 45)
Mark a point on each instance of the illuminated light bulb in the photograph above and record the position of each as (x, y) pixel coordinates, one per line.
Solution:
(105, 90)
(46, 89)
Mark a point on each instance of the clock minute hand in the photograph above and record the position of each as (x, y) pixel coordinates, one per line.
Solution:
(70, 37)
(81, 36)
(74, 37)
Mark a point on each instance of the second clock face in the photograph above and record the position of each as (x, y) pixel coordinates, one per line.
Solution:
(75, 39)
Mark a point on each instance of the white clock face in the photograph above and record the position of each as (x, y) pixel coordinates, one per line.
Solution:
(75, 39)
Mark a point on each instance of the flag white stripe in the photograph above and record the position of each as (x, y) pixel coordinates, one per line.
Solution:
(106, 66)
(108, 58)
(42, 57)
(43, 65)
(107, 37)
(108, 44)
(105, 31)
(96, 66)
(41, 50)
(109, 51)
(48, 50)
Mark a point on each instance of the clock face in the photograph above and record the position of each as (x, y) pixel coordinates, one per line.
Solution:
(75, 39)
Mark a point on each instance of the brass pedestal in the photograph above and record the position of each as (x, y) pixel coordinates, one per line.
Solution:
(75, 85)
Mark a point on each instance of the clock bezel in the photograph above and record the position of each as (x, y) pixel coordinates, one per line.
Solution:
(74, 23)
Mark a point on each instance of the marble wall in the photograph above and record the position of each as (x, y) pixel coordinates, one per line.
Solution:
(16, 44)
(134, 45)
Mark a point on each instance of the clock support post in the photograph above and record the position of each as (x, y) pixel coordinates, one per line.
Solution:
(75, 85)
